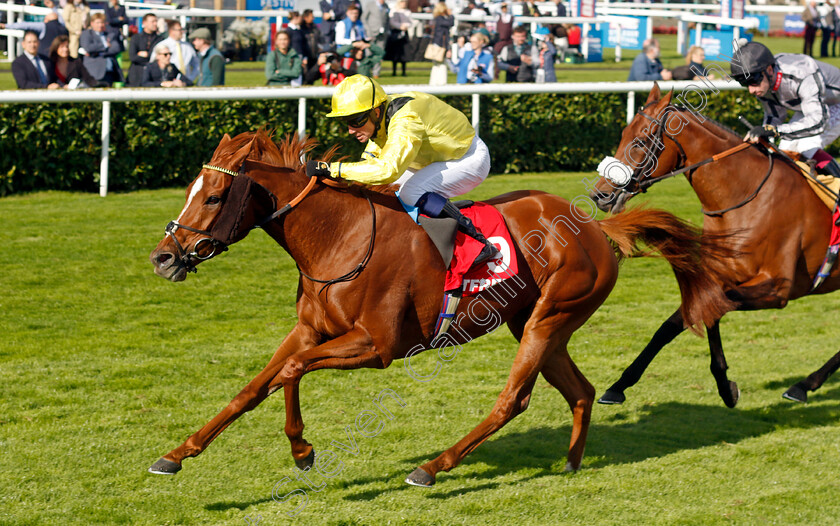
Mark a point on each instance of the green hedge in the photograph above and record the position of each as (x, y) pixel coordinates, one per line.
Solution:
(163, 144)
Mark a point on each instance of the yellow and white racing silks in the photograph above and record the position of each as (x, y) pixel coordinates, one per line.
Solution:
(424, 131)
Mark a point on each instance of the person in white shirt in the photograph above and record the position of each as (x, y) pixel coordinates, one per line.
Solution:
(349, 29)
(184, 56)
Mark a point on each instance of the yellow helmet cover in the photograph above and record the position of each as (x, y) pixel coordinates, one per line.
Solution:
(356, 94)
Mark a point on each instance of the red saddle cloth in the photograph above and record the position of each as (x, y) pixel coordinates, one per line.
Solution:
(461, 273)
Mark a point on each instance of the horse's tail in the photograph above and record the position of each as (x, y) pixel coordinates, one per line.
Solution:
(695, 259)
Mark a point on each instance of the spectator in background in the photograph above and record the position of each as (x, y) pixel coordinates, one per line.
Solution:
(183, 54)
(67, 68)
(330, 70)
(811, 17)
(827, 23)
(298, 40)
(375, 15)
(835, 16)
(47, 31)
(101, 49)
(529, 8)
(693, 68)
(349, 29)
(647, 66)
(140, 49)
(395, 49)
(560, 8)
(312, 34)
(442, 23)
(76, 15)
(511, 57)
(573, 36)
(50, 4)
(283, 65)
(543, 58)
(212, 62)
(361, 57)
(477, 64)
(116, 19)
(456, 52)
(32, 71)
(331, 12)
(161, 73)
(504, 28)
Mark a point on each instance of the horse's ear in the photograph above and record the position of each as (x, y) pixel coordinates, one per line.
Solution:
(225, 140)
(668, 97)
(654, 94)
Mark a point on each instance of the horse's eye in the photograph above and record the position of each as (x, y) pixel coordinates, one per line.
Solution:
(213, 200)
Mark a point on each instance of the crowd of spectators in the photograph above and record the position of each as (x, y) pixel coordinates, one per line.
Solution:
(72, 48)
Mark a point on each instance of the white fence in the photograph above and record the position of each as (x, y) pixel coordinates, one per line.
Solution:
(108, 96)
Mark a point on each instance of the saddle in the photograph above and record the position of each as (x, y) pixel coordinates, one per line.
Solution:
(822, 185)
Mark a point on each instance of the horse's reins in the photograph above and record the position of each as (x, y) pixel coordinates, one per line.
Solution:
(644, 185)
(218, 246)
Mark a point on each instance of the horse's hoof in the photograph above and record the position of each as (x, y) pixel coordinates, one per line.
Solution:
(570, 468)
(419, 477)
(165, 467)
(796, 393)
(612, 398)
(731, 398)
(306, 462)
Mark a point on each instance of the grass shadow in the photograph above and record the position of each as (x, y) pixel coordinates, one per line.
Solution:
(227, 505)
(661, 430)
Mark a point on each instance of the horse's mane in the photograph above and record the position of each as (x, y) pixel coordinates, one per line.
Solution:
(292, 152)
(720, 126)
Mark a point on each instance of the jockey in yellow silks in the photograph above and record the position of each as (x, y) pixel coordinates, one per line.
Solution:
(415, 140)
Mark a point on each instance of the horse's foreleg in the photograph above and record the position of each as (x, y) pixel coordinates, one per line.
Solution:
(669, 330)
(562, 373)
(255, 392)
(799, 391)
(353, 350)
(512, 401)
(727, 389)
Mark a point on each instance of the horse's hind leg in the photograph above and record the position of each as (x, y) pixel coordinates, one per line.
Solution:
(727, 389)
(513, 400)
(562, 373)
(669, 330)
(799, 391)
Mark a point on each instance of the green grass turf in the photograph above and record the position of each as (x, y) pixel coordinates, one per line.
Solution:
(251, 73)
(104, 367)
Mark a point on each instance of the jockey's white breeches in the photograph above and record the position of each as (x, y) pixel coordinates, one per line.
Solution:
(807, 146)
(447, 178)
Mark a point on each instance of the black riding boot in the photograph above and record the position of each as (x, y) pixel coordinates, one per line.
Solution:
(833, 169)
(466, 226)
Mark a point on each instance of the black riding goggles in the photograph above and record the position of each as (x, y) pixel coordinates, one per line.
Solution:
(357, 120)
(748, 80)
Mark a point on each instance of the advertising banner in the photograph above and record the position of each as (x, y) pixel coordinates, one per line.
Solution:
(633, 30)
(717, 44)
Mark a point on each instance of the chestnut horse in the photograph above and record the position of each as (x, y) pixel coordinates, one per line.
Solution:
(777, 227)
(386, 307)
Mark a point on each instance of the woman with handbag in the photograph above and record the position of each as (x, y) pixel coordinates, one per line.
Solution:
(400, 22)
(442, 23)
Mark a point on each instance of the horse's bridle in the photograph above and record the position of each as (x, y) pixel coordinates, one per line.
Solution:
(217, 247)
(212, 244)
(641, 186)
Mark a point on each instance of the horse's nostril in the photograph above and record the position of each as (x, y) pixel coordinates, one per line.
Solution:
(163, 259)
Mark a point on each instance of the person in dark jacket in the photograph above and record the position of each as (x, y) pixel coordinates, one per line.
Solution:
(116, 19)
(140, 48)
(67, 68)
(101, 49)
(32, 71)
(162, 73)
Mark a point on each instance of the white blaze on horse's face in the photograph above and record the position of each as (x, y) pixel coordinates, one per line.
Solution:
(199, 183)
